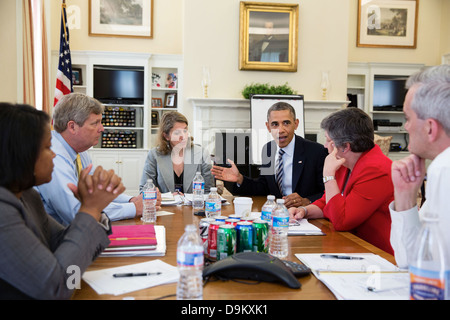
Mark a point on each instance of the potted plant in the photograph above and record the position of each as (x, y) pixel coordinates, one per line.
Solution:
(265, 88)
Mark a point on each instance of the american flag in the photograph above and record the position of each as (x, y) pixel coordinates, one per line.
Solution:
(64, 73)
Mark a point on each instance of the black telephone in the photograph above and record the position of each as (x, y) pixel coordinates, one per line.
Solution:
(257, 266)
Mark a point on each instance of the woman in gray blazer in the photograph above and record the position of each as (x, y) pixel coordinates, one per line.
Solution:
(173, 163)
(41, 259)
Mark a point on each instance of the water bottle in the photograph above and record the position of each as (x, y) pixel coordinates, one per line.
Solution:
(149, 202)
(190, 265)
(266, 211)
(429, 269)
(278, 246)
(198, 189)
(213, 204)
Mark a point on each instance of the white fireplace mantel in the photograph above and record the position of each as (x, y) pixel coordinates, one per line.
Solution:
(220, 114)
(245, 103)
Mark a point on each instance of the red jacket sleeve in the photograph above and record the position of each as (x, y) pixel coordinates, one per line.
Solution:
(371, 188)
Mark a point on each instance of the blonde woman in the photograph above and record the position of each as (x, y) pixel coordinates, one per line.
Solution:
(173, 163)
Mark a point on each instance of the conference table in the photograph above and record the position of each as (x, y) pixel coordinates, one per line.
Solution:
(311, 288)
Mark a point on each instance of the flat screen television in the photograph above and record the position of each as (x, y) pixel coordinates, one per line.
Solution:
(119, 84)
(389, 94)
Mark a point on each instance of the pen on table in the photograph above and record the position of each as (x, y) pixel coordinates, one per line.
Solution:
(374, 289)
(140, 274)
(336, 256)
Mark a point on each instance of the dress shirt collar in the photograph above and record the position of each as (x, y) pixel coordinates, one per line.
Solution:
(289, 149)
(72, 154)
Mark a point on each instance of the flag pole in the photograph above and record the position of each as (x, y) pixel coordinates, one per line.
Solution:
(63, 6)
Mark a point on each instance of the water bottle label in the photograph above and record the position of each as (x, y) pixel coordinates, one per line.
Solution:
(280, 222)
(266, 215)
(426, 284)
(199, 185)
(149, 195)
(192, 259)
(212, 207)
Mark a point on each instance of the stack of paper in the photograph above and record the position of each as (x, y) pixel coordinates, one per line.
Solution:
(304, 228)
(103, 281)
(361, 276)
(136, 240)
(169, 199)
(188, 198)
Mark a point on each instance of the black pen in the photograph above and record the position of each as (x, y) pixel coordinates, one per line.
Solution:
(141, 274)
(336, 256)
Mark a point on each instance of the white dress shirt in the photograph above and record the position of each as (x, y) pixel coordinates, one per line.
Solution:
(59, 200)
(406, 224)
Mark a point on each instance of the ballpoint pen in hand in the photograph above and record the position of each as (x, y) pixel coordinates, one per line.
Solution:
(182, 197)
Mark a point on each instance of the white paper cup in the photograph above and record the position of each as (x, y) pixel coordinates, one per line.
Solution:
(242, 206)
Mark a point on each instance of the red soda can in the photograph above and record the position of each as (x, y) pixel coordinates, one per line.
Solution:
(231, 221)
(203, 231)
(212, 239)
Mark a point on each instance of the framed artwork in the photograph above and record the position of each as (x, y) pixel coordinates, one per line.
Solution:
(268, 36)
(170, 100)
(156, 80)
(387, 24)
(119, 18)
(171, 80)
(157, 103)
(77, 78)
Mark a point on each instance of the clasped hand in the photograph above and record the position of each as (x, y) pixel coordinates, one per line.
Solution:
(407, 177)
(96, 191)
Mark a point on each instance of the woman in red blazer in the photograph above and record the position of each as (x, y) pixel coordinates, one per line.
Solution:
(357, 178)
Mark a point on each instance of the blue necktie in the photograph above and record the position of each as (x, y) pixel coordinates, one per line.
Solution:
(279, 172)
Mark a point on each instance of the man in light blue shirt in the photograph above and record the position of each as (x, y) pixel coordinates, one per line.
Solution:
(77, 123)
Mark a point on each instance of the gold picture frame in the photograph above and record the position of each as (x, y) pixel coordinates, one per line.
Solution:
(387, 24)
(109, 18)
(268, 36)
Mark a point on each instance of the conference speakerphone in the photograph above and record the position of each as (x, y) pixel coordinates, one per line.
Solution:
(257, 266)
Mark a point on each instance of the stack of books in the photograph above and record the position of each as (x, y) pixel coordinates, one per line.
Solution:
(136, 240)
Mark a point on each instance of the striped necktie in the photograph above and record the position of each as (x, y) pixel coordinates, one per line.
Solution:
(279, 172)
(79, 165)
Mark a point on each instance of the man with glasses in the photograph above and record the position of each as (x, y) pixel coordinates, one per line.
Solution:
(77, 122)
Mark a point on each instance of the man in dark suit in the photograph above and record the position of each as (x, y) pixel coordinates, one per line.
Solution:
(300, 165)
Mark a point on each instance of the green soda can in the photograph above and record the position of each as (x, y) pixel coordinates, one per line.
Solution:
(244, 236)
(260, 236)
(226, 241)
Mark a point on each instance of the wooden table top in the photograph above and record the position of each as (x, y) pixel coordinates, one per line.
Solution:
(331, 242)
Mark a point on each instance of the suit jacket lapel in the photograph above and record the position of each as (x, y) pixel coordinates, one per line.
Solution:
(298, 161)
(165, 166)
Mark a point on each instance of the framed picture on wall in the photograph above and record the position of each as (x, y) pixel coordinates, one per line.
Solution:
(387, 24)
(121, 18)
(268, 36)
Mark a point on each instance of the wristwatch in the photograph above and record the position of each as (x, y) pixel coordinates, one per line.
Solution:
(328, 178)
